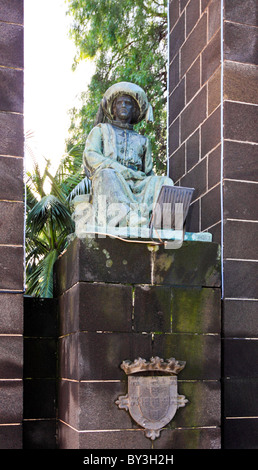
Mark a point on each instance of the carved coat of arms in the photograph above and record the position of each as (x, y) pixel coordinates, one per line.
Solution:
(152, 400)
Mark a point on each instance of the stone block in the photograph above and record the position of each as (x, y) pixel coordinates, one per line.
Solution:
(12, 11)
(11, 437)
(204, 4)
(196, 310)
(11, 45)
(193, 80)
(11, 223)
(194, 114)
(102, 260)
(98, 356)
(240, 397)
(239, 279)
(214, 167)
(69, 406)
(240, 358)
(214, 91)
(173, 138)
(235, 12)
(215, 230)
(203, 407)
(192, 221)
(194, 44)
(235, 74)
(11, 357)
(210, 208)
(124, 439)
(11, 267)
(87, 261)
(173, 12)
(11, 133)
(11, 401)
(239, 239)
(240, 318)
(91, 405)
(177, 164)
(201, 353)
(177, 36)
(240, 122)
(240, 200)
(68, 438)
(11, 178)
(211, 132)
(11, 313)
(214, 17)
(68, 353)
(183, 3)
(196, 178)
(152, 308)
(192, 15)
(179, 267)
(11, 90)
(240, 160)
(211, 57)
(239, 43)
(79, 311)
(177, 100)
(192, 150)
(173, 74)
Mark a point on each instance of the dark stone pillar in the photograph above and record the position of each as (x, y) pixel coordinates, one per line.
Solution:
(11, 223)
(213, 147)
(118, 301)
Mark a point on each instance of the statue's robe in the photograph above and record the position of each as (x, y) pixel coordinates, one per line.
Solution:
(119, 163)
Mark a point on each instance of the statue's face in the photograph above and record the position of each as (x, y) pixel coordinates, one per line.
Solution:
(123, 108)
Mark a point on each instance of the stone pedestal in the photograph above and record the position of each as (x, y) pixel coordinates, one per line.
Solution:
(123, 300)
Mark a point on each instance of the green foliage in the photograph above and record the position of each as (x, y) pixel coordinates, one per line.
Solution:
(127, 41)
(49, 221)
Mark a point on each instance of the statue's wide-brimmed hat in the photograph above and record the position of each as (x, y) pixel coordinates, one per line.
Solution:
(133, 90)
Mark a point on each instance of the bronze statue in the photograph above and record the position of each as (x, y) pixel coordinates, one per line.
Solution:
(118, 160)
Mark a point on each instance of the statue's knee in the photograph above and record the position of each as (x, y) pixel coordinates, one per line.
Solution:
(107, 174)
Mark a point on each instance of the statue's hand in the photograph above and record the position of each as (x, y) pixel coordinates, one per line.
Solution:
(128, 173)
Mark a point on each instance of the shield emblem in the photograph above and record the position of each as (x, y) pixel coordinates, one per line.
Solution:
(152, 401)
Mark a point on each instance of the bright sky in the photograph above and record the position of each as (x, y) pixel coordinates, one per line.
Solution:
(51, 87)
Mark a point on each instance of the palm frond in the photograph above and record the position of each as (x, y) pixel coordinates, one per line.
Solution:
(83, 187)
(49, 207)
(49, 223)
(40, 281)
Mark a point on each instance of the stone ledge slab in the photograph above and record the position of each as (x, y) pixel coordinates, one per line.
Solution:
(115, 261)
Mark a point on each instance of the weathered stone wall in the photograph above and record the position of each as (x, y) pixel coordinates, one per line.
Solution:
(119, 301)
(194, 107)
(213, 148)
(240, 193)
(11, 223)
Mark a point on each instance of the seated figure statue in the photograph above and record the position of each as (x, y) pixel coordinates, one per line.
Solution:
(118, 160)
